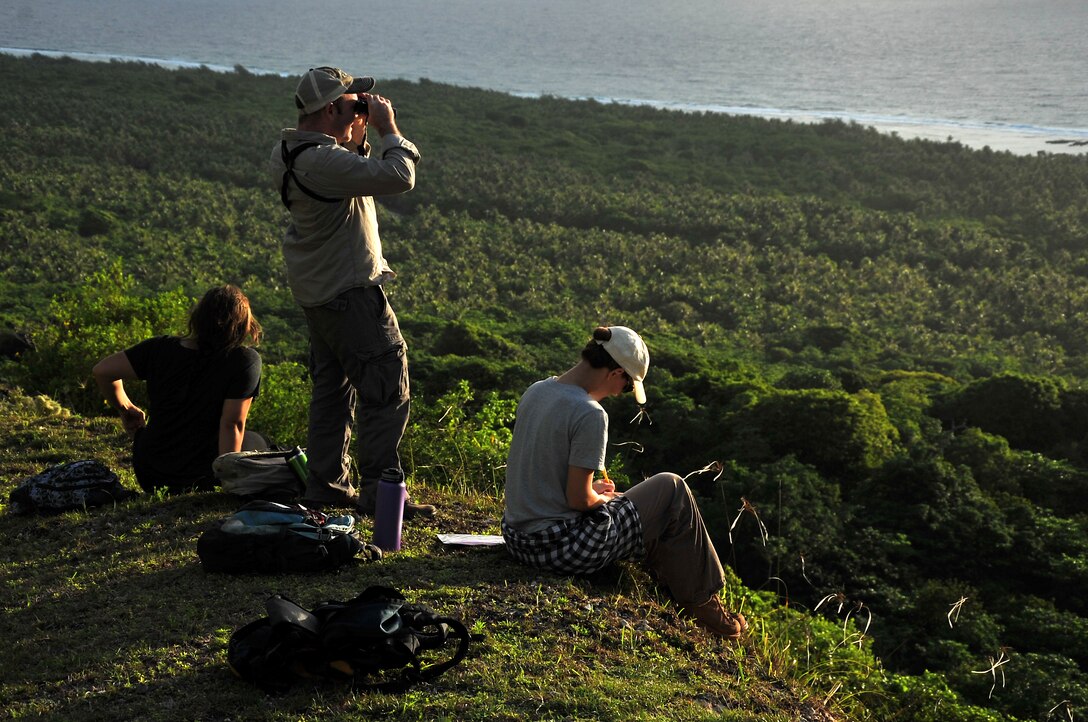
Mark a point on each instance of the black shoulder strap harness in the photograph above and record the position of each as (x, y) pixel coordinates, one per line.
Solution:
(289, 161)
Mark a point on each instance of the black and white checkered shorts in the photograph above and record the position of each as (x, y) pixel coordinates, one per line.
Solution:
(584, 544)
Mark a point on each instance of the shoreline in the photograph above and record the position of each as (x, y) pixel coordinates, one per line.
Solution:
(1018, 139)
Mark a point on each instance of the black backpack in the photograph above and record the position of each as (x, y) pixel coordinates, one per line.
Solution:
(74, 485)
(268, 537)
(375, 642)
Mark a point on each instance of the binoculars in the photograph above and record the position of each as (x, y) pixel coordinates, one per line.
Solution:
(362, 109)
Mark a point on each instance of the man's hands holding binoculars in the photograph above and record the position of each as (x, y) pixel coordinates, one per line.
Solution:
(372, 109)
(375, 107)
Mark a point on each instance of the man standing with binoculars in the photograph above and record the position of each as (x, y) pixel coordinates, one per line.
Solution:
(358, 359)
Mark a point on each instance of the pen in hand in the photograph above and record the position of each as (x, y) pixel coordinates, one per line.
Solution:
(605, 487)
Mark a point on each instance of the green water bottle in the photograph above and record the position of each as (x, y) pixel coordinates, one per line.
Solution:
(299, 464)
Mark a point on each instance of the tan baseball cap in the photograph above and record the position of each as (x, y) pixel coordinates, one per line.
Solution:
(320, 86)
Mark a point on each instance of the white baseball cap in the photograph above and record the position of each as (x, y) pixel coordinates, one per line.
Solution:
(629, 350)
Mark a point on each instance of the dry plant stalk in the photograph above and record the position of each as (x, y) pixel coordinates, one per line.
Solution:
(1068, 710)
(782, 581)
(714, 467)
(635, 446)
(747, 506)
(803, 574)
(954, 612)
(857, 606)
(995, 667)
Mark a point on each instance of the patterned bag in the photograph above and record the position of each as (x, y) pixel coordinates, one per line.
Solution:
(74, 485)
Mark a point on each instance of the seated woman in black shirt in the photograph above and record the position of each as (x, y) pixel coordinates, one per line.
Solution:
(199, 389)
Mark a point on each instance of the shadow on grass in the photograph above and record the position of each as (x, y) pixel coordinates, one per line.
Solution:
(109, 614)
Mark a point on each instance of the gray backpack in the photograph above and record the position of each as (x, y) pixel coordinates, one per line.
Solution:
(258, 475)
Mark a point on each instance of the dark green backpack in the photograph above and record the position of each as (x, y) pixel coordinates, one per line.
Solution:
(376, 641)
(267, 537)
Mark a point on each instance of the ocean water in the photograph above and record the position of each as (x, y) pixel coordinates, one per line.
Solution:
(1010, 74)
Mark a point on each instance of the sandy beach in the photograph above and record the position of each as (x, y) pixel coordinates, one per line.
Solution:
(1020, 140)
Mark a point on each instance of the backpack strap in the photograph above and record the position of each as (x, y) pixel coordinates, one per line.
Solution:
(372, 552)
(282, 610)
(289, 161)
(408, 630)
(445, 626)
(415, 639)
(349, 641)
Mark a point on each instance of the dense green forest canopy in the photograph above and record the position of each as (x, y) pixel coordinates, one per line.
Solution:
(882, 340)
(766, 238)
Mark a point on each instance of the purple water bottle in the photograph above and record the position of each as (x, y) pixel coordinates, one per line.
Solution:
(389, 509)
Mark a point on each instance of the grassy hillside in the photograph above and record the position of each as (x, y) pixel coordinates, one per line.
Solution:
(882, 341)
(109, 616)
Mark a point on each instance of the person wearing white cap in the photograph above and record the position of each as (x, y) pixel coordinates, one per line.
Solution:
(327, 177)
(558, 518)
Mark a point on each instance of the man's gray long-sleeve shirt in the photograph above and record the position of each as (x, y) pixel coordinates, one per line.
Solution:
(332, 247)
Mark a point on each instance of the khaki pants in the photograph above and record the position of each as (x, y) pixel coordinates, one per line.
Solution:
(679, 551)
(359, 367)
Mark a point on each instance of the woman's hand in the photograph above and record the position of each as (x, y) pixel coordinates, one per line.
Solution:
(110, 374)
(133, 419)
(583, 493)
(604, 487)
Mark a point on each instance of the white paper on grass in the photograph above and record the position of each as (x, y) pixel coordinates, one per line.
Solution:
(471, 540)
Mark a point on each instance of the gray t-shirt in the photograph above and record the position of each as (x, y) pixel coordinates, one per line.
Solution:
(557, 425)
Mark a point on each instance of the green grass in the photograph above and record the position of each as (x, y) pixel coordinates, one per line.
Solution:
(107, 614)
